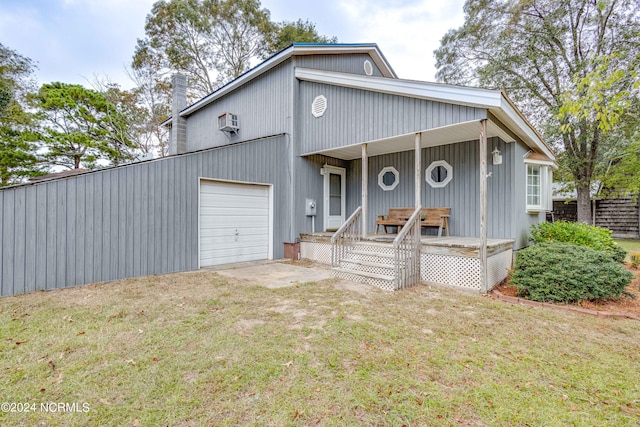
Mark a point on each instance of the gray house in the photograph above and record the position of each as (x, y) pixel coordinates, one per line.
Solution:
(310, 146)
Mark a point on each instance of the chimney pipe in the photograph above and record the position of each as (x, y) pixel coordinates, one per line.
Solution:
(178, 140)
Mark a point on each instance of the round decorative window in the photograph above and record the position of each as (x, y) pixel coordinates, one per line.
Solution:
(388, 178)
(439, 174)
(368, 68)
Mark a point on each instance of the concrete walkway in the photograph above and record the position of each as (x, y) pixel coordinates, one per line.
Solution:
(284, 273)
(275, 274)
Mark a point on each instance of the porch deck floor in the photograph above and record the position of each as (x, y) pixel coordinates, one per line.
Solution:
(445, 241)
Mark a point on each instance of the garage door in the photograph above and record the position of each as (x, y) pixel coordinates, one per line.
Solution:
(234, 222)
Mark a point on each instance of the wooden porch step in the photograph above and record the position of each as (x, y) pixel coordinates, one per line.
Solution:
(367, 263)
(374, 244)
(364, 274)
(361, 252)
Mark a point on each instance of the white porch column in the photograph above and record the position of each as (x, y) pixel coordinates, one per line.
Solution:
(483, 205)
(418, 177)
(365, 186)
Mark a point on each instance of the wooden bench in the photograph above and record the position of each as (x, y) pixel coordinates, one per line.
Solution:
(429, 217)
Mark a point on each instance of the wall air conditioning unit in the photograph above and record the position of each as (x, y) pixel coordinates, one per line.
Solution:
(228, 122)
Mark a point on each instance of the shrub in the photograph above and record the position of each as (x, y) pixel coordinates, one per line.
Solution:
(580, 234)
(564, 272)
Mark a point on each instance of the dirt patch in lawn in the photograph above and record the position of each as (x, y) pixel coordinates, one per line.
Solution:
(626, 304)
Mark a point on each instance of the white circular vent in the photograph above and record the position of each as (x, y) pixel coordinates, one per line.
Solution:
(368, 68)
(319, 106)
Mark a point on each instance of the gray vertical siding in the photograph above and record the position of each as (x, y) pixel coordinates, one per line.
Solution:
(309, 184)
(129, 221)
(353, 63)
(355, 116)
(262, 106)
(461, 194)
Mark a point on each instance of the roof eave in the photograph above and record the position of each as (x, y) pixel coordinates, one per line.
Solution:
(293, 50)
(493, 100)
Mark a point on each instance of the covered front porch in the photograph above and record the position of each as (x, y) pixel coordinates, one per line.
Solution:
(409, 257)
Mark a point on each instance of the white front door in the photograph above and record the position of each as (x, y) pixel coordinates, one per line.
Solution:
(334, 197)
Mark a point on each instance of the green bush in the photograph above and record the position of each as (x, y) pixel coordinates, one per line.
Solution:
(564, 272)
(580, 234)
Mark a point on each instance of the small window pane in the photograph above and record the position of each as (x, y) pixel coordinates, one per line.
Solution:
(439, 174)
(335, 187)
(534, 187)
(388, 178)
(335, 205)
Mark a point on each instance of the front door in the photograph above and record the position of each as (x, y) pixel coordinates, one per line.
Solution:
(334, 197)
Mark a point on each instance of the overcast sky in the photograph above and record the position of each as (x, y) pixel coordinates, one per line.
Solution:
(74, 40)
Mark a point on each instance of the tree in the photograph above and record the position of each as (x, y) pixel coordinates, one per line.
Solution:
(570, 65)
(17, 151)
(142, 110)
(154, 97)
(210, 41)
(80, 127)
(287, 33)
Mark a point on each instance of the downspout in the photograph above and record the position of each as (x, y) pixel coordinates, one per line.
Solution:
(291, 137)
(418, 172)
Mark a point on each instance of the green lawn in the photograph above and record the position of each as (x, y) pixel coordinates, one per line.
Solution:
(629, 244)
(195, 349)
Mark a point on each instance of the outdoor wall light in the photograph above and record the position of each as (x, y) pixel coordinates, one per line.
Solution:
(497, 157)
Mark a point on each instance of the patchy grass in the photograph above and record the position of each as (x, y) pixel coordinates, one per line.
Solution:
(194, 349)
(629, 245)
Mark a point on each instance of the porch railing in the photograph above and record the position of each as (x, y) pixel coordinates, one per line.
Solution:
(347, 235)
(406, 249)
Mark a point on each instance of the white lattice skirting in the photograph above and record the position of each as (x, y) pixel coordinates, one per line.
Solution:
(448, 270)
(462, 271)
(316, 251)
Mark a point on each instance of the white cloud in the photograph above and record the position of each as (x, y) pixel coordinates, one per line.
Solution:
(73, 40)
(407, 31)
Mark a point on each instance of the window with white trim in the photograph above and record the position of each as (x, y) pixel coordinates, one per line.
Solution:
(388, 178)
(539, 178)
(438, 174)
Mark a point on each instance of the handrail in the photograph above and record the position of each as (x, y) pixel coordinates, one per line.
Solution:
(405, 230)
(346, 224)
(343, 239)
(406, 250)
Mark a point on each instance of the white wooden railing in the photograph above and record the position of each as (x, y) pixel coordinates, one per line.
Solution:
(347, 235)
(406, 249)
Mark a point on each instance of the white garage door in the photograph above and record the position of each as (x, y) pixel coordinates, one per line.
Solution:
(234, 222)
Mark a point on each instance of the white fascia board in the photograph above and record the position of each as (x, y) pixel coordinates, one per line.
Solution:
(553, 165)
(523, 127)
(474, 97)
(293, 50)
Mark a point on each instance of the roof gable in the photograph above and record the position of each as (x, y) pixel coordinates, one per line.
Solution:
(296, 49)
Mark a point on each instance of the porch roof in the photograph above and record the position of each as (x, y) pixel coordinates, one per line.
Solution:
(451, 134)
(504, 118)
